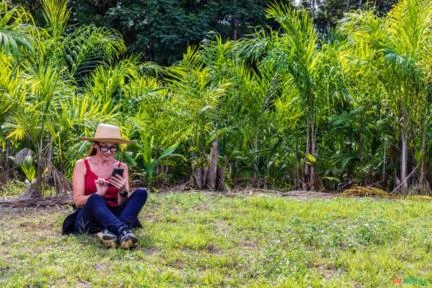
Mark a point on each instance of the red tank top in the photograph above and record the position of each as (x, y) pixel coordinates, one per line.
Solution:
(111, 196)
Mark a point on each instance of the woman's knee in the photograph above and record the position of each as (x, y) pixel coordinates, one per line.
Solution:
(95, 199)
(141, 192)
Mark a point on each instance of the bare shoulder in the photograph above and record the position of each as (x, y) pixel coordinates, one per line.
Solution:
(79, 165)
(79, 162)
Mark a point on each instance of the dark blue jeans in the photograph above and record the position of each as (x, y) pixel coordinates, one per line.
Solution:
(97, 215)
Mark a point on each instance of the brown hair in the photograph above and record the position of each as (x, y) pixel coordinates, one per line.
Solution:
(92, 150)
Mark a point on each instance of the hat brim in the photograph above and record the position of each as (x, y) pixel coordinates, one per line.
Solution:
(108, 140)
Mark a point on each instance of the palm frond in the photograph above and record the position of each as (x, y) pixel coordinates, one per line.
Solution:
(15, 26)
(255, 47)
(107, 82)
(56, 14)
(90, 46)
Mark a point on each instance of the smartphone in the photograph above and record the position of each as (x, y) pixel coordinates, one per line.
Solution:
(118, 171)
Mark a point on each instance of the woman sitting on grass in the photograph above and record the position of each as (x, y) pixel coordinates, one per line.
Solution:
(101, 193)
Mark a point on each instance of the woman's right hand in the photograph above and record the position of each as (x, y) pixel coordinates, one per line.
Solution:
(101, 186)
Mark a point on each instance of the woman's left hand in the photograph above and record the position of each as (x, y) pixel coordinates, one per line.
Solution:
(118, 181)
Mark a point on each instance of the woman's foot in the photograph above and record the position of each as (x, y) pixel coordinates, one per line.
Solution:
(110, 240)
(127, 239)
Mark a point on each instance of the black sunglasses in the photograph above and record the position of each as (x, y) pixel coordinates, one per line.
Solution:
(105, 148)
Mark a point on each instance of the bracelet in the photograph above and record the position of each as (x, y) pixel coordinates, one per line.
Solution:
(124, 193)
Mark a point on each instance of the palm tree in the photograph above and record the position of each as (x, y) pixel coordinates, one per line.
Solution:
(399, 46)
(47, 76)
(245, 110)
(197, 97)
(299, 54)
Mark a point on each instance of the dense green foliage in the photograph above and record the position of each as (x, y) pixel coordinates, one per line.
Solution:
(161, 30)
(286, 107)
(199, 240)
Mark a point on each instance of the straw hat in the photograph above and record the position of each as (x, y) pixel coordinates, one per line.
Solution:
(108, 134)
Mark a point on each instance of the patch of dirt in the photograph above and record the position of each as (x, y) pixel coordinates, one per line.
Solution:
(84, 284)
(151, 251)
(177, 263)
(23, 202)
(99, 267)
(26, 211)
(40, 225)
(150, 217)
(244, 192)
(326, 271)
(298, 194)
(213, 249)
(309, 194)
(249, 245)
(221, 228)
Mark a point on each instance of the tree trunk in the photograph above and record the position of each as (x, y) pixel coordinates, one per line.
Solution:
(201, 175)
(37, 192)
(234, 24)
(6, 163)
(256, 168)
(31, 191)
(197, 172)
(212, 172)
(312, 167)
(204, 172)
(235, 28)
(211, 177)
(306, 175)
(40, 168)
(404, 161)
(198, 178)
(298, 163)
(309, 177)
(220, 179)
(384, 163)
(422, 160)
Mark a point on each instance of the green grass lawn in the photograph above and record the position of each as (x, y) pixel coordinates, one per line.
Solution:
(199, 239)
